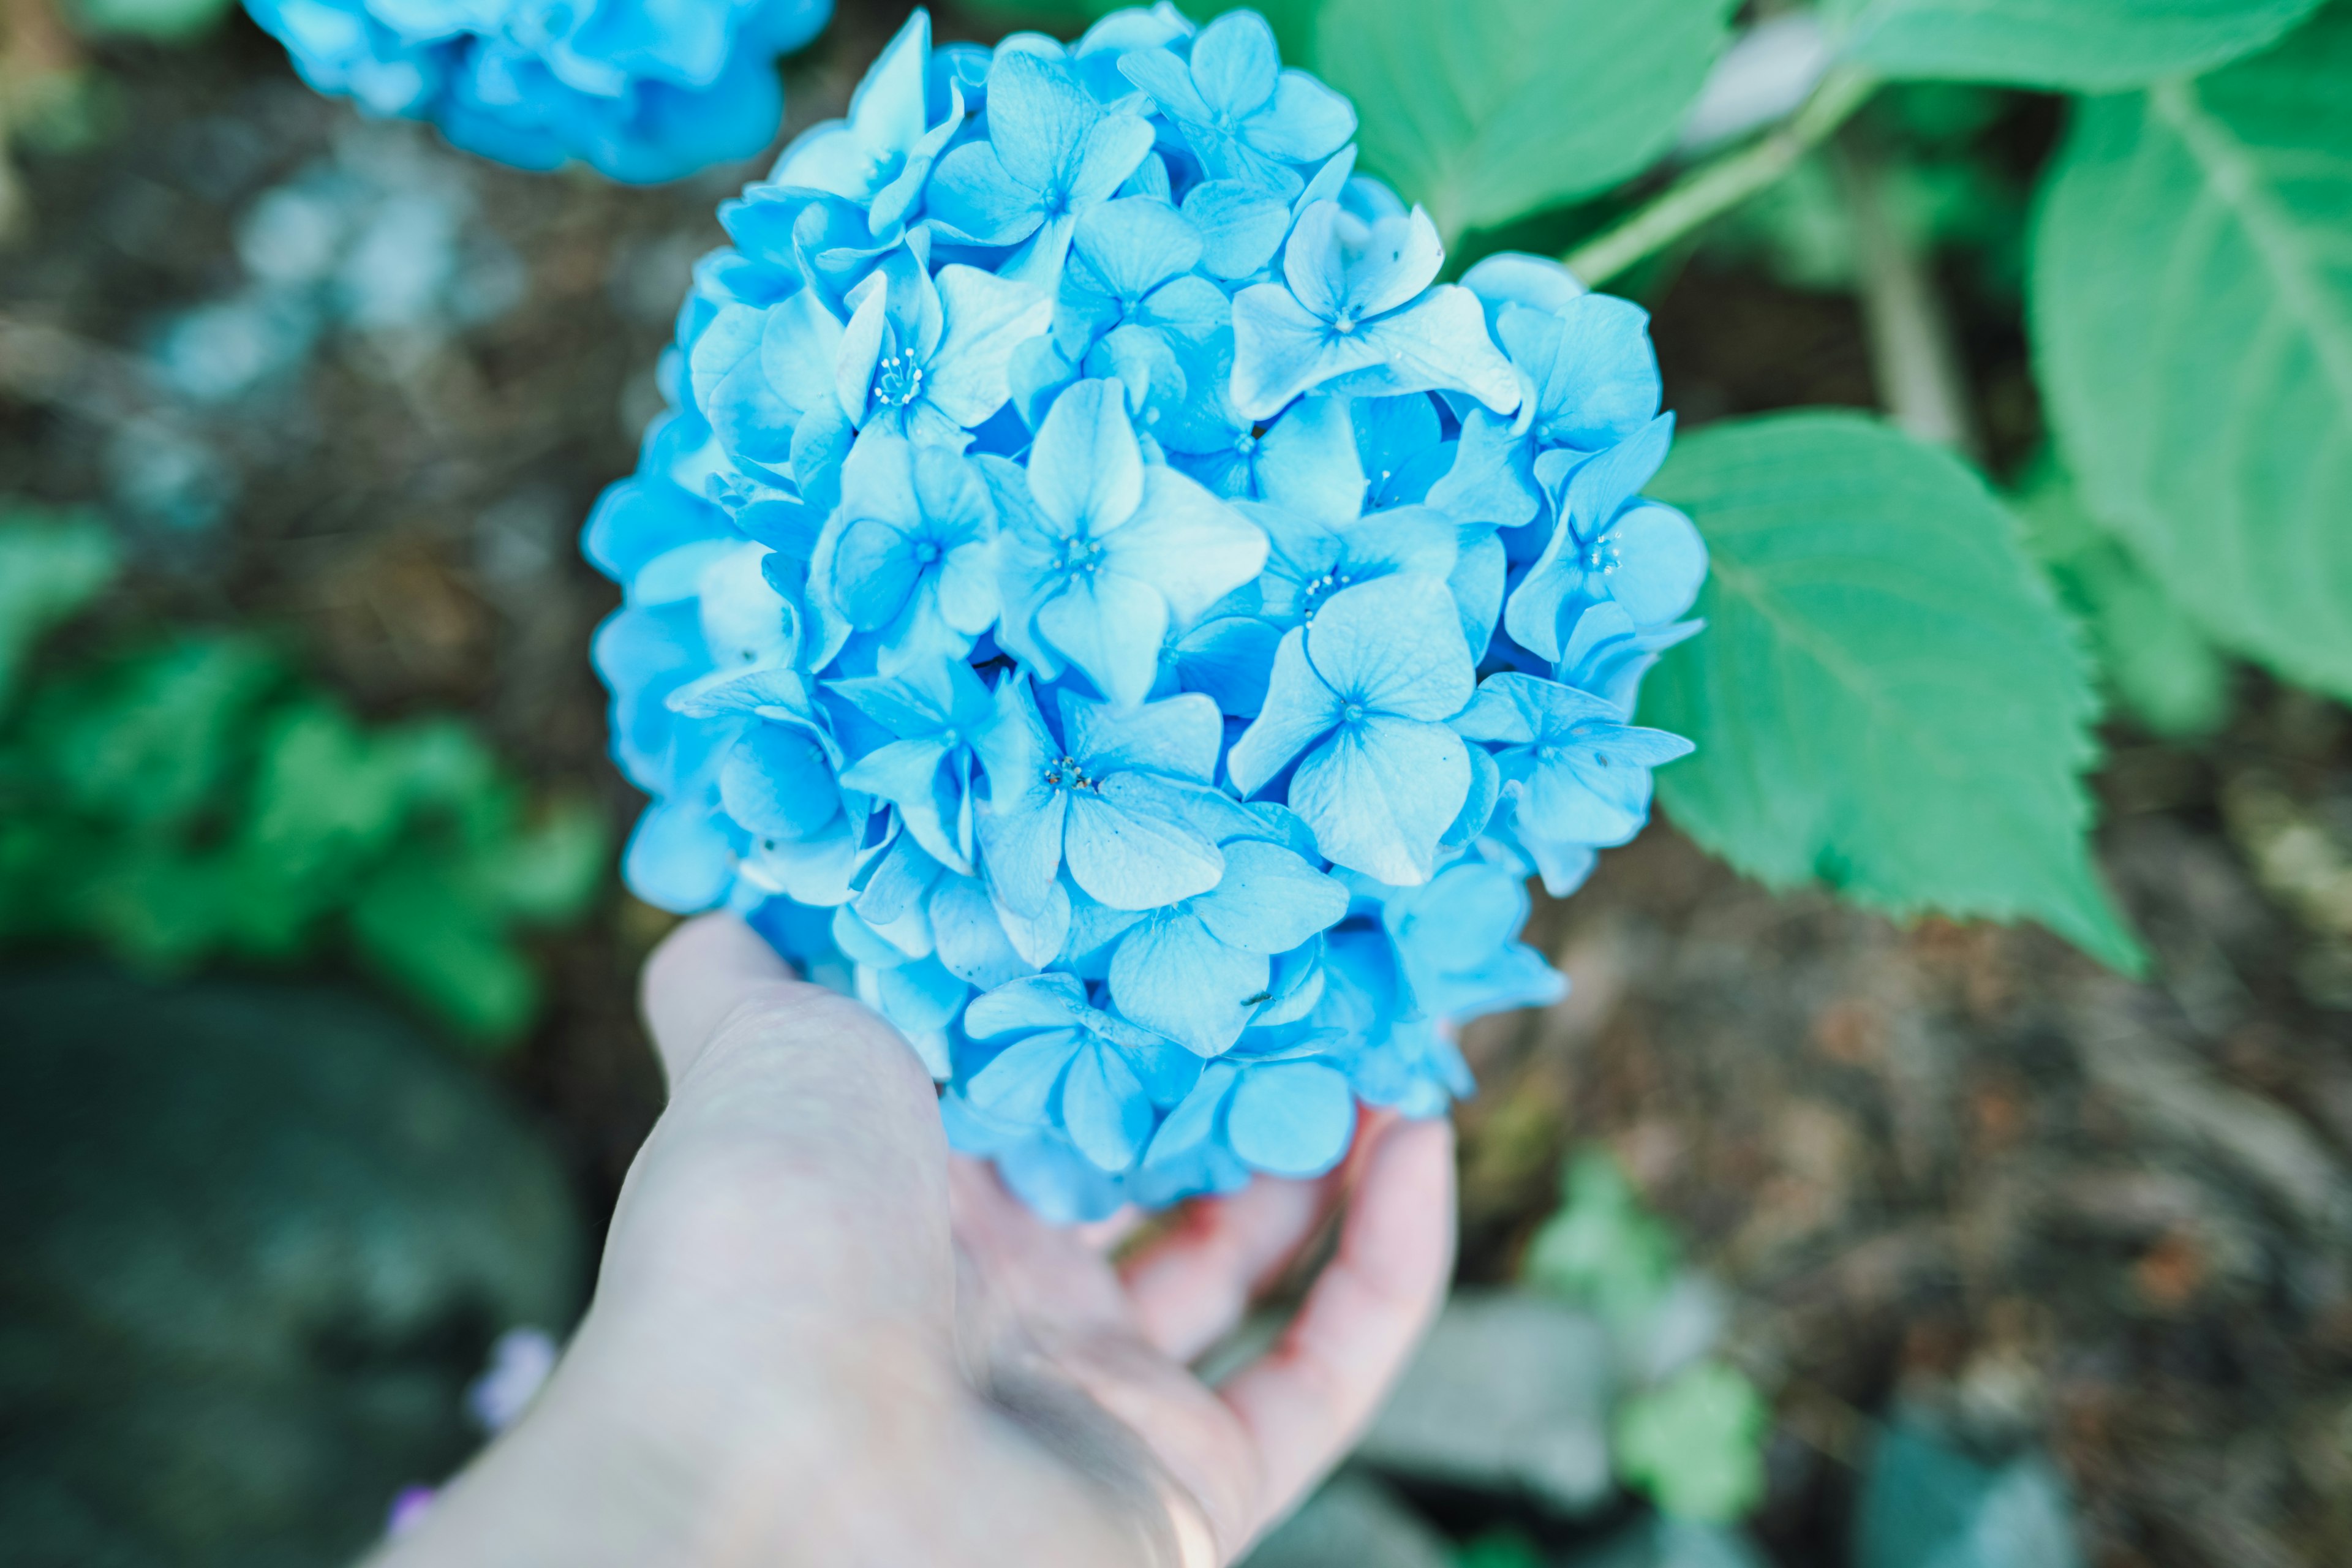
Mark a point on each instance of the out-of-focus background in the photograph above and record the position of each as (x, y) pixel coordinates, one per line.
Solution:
(1793, 1235)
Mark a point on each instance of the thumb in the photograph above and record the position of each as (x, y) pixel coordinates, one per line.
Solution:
(800, 1123)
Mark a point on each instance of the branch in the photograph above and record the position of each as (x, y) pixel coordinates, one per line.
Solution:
(1715, 187)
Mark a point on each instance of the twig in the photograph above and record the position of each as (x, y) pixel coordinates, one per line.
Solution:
(1715, 187)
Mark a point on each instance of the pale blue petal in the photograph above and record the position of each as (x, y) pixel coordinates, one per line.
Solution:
(1308, 461)
(1300, 708)
(1086, 470)
(1281, 349)
(1037, 115)
(1240, 224)
(1168, 79)
(1193, 1125)
(922, 997)
(1563, 867)
(1306, 121)
(1400, 259)
(1394, 646)
(1476, 581)
(872, 572)
(778, 784)
(968, 937)
(1179, 736)
(1189, 546)
(1291, 1119)
(1478, 806)
(909, 775)
(1130, 847)
(1113, 149)
(1039, 934)
(1110, 626)
(1492, 478)
(1380, 792)
(1514, 277)
(1439, 343)
(1171, 975)
(1021, 1006)
(1660, 562)
(1236, 64)
(1269, 899)
(1131, 246)
(677, 859)
(985, 318)
(1104, 1107)
(1228, 658)
(1314, 265)
(972, 196)
(1018, 1086)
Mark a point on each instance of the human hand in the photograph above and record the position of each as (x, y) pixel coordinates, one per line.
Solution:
(819, 1337)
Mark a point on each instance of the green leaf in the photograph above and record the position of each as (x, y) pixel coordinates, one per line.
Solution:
(2084, 44)
(1602, 1250)
(51, 565)
(425, 927)
(2161, 668)
(2191, 317)
(1695, 1443)
(1887, 697)
(1486, 110)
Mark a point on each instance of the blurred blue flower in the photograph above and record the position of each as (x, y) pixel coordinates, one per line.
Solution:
(1363, 690)
(643, 92)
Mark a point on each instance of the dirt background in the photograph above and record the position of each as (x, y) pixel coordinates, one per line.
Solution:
(1957, 1164)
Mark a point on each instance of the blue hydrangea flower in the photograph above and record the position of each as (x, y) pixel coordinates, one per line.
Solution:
(1096, 597)
(641, 91)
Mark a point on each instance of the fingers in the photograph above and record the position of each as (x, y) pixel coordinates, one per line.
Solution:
(697, 978)
(1189, 1288)
(1309, 1397)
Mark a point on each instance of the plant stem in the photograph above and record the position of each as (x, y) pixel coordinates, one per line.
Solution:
(1717, 187)
(1913, 352)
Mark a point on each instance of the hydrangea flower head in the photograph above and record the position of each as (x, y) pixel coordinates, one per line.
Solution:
(1098, 596)
(642, 90)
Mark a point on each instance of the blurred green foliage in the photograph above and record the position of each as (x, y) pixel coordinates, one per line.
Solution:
(189, 797)
(2157, 665)
(1944, 186)
(1695, 1443)
(1692, 1441)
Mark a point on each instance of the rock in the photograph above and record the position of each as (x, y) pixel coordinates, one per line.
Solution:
(1353, 1522)
(1510, 1394)
(1928, 1504)
(257, 1239)
(1661, 1540)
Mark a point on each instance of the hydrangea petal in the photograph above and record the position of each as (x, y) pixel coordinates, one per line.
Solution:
(1291, 1119)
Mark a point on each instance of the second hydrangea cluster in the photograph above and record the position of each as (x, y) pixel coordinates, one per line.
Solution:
(642, 90)
(1097, 596)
